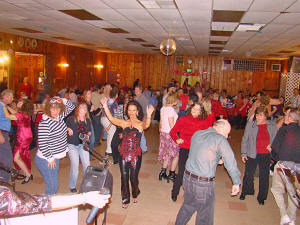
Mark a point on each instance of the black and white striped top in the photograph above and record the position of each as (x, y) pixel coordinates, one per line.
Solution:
(52, 135)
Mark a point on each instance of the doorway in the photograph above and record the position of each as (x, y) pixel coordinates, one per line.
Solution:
(31, 66)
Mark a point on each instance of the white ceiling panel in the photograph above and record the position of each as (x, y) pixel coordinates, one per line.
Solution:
(148, 24)
(242, 35)
(219, 38)
(5, 6)
(165, 14)
(53, 14)
(259, 17)
(90, 4)
(294, 8)
(20, 1)
(32, 6)
(197, 25)
(58, 4)
(107, 14)
(101, 23)
(194, 4)
(135, 14)
(270, 5)
(294, 30)
(196, 15)
(288, 18)
(123, 4)
(236, 5)
(275, 28)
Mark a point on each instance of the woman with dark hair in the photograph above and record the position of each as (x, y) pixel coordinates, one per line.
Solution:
(130, 150)
(258, 136)
(52, 141)
(79, 124)
(182, 133)
(21, 153)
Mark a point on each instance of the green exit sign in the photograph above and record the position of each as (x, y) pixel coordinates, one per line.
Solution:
(189, 70)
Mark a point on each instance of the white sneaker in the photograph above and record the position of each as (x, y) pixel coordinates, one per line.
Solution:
(285, 220)
(292, 223)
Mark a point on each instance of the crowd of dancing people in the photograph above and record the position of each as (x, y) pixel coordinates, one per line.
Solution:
(53, 125)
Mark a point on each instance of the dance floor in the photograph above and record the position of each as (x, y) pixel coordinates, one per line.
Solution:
(155, 206)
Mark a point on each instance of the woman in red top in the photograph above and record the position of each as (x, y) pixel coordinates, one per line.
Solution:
(242, 112)
(182, 133)
(258, 136)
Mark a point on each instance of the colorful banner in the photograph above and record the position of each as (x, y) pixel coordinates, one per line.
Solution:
(187, 73)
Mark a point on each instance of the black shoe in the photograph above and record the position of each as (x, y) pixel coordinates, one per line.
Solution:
(73, 190)
(261, 202)
(171, 176)
(243, 196)
(162, 174)
(25, 181)
(174, 198)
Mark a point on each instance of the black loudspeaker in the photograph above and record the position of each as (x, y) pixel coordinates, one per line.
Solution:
(96, 179)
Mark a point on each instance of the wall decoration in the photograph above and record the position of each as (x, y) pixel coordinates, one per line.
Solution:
(288, 82)
(20, 41)
(27, 43)
(34, 43)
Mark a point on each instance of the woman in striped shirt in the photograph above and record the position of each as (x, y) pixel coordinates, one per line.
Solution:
(52, 141)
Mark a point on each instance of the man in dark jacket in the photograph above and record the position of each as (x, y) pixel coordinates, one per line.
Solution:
(286, 147)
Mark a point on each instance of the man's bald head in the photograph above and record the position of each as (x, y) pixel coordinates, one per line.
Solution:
(222, 127)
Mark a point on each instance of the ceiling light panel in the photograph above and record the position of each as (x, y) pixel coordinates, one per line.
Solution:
(148, 4)
(166, 4)
(223, 26)
(250, 27)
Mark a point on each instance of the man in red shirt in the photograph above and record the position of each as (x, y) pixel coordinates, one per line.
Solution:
(184, 98)
(26, 88)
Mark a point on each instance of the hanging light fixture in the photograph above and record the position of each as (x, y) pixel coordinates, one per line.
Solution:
(168, 47)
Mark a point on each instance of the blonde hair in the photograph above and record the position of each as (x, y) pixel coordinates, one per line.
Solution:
(50, 105)
(172, 98)
(206, 105)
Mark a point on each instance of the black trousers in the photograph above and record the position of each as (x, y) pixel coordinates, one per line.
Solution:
(239, 121)
(263, 161)
(129, 172)
(115, 143)
(183, 155)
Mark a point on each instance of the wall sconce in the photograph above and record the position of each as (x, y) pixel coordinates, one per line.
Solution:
(100, 66)
(64, 65)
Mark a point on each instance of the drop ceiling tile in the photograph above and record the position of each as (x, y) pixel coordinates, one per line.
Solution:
(58, 4)
(223, 26)
(194, 4)
(136, 14)
(197, 25)
(165, 14)
(241, 5)
(259, 17)
(81, 14)
(89, 4)
(221, 33)
(242, 35)
(56, 15)
(196, 15)
(148, 24)
(288, 18)
(101, 23)
(107, 14)
(276, 28)
(20, 1)
(123, 4)
(32, 6)
(5, 6)
(270, 5)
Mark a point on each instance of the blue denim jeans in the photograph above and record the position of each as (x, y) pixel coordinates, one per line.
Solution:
(143, 143)
(50, 176)
(198, 196)
(76, 152)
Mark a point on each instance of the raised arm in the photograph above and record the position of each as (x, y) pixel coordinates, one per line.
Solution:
(147, 123)
(115, 121)
(7, 114)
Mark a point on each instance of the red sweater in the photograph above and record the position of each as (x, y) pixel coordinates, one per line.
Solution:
(262, 139)
(184, 100)
(244, 110)
(186, 126)
(216, 108)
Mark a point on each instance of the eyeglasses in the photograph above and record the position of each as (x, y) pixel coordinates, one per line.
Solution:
(55, 100)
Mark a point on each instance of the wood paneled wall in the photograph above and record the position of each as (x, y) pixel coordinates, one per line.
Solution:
(81, 70)
(158, 70)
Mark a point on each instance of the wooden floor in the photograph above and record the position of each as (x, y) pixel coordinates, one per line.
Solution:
(155, 206)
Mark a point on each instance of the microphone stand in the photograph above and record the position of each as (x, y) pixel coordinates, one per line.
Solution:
(101, 159)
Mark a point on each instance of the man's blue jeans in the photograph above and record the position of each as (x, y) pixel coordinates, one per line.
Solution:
(50, 176)
(198, 196)
(76, 152)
